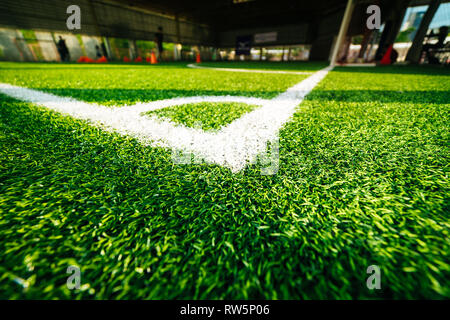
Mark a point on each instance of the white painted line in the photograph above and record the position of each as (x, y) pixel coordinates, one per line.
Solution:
(356, 64)
(233, 146)
(195, 66)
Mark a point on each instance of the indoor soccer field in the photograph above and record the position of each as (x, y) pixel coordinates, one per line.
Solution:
(361, 179)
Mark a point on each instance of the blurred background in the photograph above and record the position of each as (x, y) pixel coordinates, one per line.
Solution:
(282, 30)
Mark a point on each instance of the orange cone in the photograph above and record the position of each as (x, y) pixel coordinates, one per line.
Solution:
(198, 59)
(101, 60)
(85, 59)
(153, 59)
(387, 57)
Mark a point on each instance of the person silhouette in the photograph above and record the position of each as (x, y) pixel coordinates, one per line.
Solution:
(63, 50)
(159, 37)
(98, 52)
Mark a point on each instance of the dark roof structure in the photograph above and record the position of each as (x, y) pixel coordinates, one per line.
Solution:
(203, 22)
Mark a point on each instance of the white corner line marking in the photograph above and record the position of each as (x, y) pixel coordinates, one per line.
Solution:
(233, 146)
(195, 66)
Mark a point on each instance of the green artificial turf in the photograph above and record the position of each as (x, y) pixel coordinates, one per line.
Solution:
(363, 180)
(115, 84)
(205, 115)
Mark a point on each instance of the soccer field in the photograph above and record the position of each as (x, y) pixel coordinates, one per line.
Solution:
(362, 180)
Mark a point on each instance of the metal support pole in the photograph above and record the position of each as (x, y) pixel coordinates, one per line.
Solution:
(415, 51)
(342, 31)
